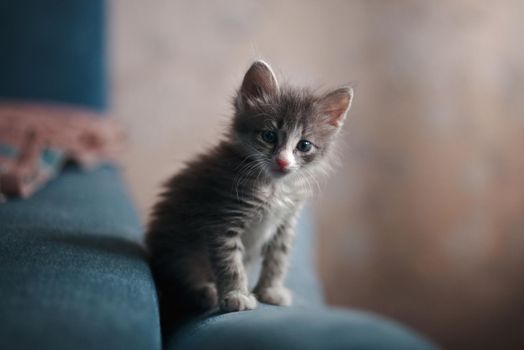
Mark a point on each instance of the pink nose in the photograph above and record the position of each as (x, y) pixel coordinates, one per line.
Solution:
(282, 163)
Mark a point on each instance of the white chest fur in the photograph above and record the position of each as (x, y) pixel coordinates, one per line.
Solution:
(265, 224)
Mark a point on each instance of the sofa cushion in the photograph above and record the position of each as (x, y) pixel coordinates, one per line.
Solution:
(54, 51)
(72, 273)
(278, 328)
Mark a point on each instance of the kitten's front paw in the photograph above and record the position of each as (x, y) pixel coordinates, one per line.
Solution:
(238, 301)
(274, 295)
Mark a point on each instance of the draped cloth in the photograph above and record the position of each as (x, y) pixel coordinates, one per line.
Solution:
(36, 140)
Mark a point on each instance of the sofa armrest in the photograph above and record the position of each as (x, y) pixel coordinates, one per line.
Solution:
(73, 274)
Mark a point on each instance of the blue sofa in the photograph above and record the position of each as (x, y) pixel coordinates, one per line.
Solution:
(73, 270)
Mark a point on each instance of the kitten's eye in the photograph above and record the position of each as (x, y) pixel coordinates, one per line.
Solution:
(304, 146)
(269, 136)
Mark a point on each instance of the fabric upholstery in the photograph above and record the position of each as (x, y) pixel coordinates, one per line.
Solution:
(72, 273)
(53, 51)
(279, 328)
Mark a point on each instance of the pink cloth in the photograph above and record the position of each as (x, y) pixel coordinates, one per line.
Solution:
(72, 133)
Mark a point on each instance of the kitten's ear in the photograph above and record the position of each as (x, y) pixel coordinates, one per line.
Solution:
(335, 105)
(259, 81)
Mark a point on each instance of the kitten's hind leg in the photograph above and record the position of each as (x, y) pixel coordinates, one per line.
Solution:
(204, 295)
(199, 283)
(185, 284)
(180, 302)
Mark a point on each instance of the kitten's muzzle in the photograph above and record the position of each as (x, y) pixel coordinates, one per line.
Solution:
(283, 164)
(281, 168)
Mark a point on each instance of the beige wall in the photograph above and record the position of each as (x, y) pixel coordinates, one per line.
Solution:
(424, 220)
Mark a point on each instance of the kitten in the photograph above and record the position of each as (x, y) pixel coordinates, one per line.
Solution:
(241, 199)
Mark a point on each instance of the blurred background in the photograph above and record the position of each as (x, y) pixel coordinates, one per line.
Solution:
(423, 220)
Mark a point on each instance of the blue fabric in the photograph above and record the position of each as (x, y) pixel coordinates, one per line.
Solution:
(73, 274)
(53, 51)
(278, 328)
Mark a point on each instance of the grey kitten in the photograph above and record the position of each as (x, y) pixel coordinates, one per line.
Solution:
(240, 200)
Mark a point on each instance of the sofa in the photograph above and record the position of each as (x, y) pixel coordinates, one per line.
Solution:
(74, 273)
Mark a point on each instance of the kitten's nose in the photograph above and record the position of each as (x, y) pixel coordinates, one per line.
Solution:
(282, 163)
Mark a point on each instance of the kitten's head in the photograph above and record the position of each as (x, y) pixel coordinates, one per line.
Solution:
(286, 130)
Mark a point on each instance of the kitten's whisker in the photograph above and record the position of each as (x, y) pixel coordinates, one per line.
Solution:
(313, 178)
(260, 171)
(306, 181)
(246, 171)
